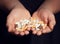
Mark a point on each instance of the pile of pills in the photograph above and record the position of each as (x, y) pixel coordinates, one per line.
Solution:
(22, 25)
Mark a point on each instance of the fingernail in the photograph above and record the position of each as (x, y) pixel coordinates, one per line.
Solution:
(34, 32)
(26, 32)
(22, 34)
(39, 33)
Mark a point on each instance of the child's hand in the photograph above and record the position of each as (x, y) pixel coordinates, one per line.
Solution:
(16, 15)
(48, 18)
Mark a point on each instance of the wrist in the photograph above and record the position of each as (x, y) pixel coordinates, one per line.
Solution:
(51, 6)
(12, 4)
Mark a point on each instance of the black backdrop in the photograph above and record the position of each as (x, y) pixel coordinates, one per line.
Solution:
(8, 38)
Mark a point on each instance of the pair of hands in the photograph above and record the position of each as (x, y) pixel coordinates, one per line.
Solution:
(21, 13)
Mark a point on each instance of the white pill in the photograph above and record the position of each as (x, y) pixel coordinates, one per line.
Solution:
(26, 21)
(37, 29)
(37, 25)
(18, 25)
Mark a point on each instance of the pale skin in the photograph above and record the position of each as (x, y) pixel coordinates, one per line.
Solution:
(47, 15)
(17, 13)
(48, 18)
(15, 16)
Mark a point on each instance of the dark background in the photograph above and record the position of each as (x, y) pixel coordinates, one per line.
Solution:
(8, 38)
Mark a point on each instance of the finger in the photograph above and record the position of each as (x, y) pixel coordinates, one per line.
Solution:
(28, 29)
(44, 18)
(10, 28)
(33, 29)
(34, 32)
(13, 28)
(16, 32)
(26, 32)
(46, 30)
(52, 22)
(39, 32)
(22, 33)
